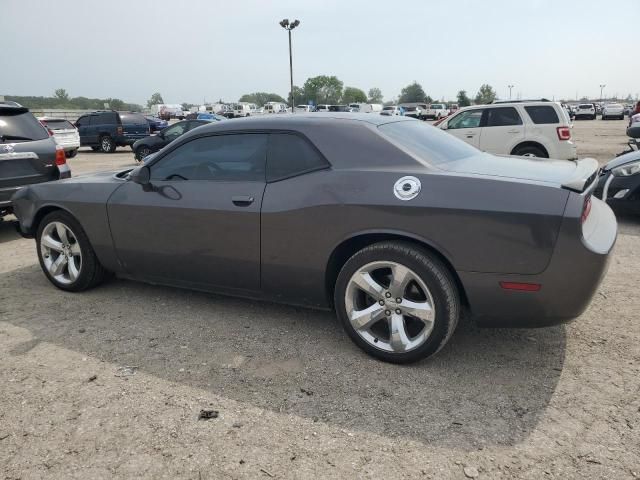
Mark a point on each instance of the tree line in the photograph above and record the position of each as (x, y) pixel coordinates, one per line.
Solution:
(325, 89)
(61, 100)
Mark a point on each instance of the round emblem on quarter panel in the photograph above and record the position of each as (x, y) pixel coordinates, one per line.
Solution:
(407, 188)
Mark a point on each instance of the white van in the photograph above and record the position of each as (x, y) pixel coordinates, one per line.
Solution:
(366, 107)
(244, 109)
(274, 107)
(322, 108)
(303, 108)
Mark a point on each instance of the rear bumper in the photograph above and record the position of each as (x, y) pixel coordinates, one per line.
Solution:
(567, 285)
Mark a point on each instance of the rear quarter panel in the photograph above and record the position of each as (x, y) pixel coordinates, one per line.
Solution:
(478, 224)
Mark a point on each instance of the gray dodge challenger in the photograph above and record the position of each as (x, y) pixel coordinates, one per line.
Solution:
(396, 225)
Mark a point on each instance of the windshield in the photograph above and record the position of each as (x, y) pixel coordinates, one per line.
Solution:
(427, 143)
(410, 109)
(436, 107)
(389, 108)
(586, 106)
(20, 127)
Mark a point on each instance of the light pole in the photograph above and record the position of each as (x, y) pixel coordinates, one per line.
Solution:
(510, 87)
(288, 27)
(601, 88)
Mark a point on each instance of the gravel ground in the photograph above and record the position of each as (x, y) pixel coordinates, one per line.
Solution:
(110, 383)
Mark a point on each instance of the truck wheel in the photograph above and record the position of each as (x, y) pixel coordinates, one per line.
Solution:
(107, 145)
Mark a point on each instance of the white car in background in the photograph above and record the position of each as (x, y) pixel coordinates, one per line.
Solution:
(391, 110)
(304, 108)
(613, 110)
(322, 108)
(244, 109)
(64, 133)
(528, 128)
(586, 110)
(436, 111)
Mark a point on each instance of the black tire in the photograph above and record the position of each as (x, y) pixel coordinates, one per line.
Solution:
(91, 272)
(435, 276)
(530, 151)
(107, 145)
(141, 152)
(71, 153)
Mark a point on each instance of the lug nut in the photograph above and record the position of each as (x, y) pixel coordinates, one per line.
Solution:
(398, 311)
(398, 300)
(388, 294)
(381, 302)
(387, 312)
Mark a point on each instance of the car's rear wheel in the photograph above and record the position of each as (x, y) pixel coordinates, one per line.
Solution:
(66, 256)
(71, 153)
(107, 145)
(397, 302)
(530, 151)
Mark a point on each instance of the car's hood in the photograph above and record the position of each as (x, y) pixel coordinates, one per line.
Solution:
(566, 173)
(622, 160)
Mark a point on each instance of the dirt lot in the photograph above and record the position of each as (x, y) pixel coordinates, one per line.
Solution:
(109, 383)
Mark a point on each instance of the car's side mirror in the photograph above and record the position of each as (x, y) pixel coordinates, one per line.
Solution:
(142, 176)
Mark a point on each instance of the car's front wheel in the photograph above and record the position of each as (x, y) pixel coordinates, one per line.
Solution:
(71, 153)
(397, 302)
(141, 152)
(66, 256)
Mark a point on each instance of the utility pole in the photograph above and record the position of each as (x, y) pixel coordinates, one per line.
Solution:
(601, 88)
(510, 87)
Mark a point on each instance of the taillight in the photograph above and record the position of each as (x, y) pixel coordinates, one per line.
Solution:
(586, 209)
(564, 133)
(119, 130)
(61, 158)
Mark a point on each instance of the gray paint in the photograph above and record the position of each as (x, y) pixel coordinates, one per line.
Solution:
(489, 228)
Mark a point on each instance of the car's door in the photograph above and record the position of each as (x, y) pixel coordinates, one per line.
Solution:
(199, 223)
(93, 130)
(82, 124)
(467, 126)
(502, 130)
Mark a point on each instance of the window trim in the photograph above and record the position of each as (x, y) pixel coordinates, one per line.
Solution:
(326, 166)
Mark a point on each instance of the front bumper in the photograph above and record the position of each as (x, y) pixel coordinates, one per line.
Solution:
(579, 262)
(622, 193)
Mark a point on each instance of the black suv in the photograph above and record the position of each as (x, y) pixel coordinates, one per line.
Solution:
(27, 153)
(107, 129)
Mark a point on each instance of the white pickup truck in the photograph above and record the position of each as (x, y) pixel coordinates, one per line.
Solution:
(436, 111)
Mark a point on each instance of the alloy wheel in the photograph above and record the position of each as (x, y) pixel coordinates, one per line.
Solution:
(390, 306)
(61, 252)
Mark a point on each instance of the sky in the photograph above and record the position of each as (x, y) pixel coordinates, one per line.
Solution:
(197, 50)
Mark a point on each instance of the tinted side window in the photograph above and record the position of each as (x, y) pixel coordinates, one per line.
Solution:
(82, 122)
(20, 126)
(230, 158)
(291, 155)
(132, 119)
(543, 114)
(502, 117)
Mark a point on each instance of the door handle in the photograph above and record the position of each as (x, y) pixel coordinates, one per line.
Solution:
(513, 131)
(242, 200)
(471, 135)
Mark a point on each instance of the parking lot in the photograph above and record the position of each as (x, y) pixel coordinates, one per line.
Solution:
(109, 383)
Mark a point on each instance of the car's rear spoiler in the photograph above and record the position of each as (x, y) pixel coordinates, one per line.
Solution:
(586, 174)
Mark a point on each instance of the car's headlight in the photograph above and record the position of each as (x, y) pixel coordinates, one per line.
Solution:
(627, 170)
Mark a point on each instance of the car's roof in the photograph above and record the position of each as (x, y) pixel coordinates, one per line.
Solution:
(53, 119)
(297, 120)
(511, 104)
